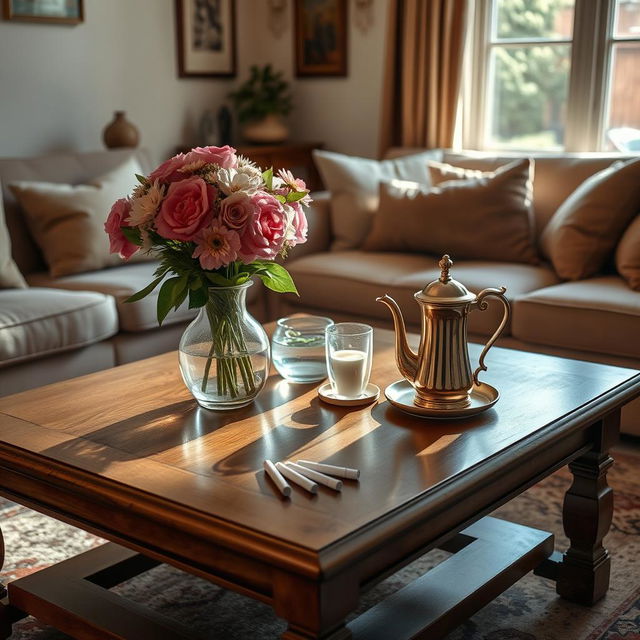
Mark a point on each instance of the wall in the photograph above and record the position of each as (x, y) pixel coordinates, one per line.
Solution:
(59, 85)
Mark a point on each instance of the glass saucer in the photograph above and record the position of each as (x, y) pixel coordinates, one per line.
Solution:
(371, 394)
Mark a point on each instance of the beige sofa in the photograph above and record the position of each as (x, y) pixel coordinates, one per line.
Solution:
(59, 328)
(596, 319)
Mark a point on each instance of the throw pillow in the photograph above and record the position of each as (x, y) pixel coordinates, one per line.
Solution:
(628, 255)
(354, 184)
(440, 172)
(67, 222)
(10, 276)
(585, 229)
(486, 218)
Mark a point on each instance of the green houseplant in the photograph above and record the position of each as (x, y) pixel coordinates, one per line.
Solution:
(261, 102)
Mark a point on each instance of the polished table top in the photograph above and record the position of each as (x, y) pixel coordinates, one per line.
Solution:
(136, 428)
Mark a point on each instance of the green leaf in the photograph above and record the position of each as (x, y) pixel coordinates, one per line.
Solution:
(280, 198)
(278, 279)
(197, 298)
(180, 290)
(143, 293)
(132, 234)
(267, 176)
(141, 179)
(294, 196)
(217, 279)
(166, 298)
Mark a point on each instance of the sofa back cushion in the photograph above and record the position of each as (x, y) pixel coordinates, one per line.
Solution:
(10, 276)
(69, 168)
(480, 218)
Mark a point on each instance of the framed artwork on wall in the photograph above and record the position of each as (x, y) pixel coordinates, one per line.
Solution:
(51, 11)
(320, 37)
(206, 38)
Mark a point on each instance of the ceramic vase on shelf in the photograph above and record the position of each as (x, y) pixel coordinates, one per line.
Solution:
(120, 132)
(224, 353)
(270, 129)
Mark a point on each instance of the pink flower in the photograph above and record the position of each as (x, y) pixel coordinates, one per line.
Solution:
(295, 184)
(186, 208)
(300, 225)
(264, 234)
(225, 157)
(217, 246)
(169, 171)
(116, 219)
(236, 210)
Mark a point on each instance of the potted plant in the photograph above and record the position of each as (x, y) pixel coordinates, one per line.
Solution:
(261, 102)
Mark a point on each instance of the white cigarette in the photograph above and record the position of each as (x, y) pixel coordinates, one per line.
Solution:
(296, 477)
(278, 479)
(340, 472)
(320, 478)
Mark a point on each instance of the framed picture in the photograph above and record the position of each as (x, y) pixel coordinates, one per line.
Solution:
(206, 38)
(52, 11)
(320, 37)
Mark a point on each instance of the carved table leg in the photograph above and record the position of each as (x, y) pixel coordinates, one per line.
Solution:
(5, 623)
(314, 611)
(588, 510)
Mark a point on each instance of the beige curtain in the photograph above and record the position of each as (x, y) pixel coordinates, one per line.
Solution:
(425, 43)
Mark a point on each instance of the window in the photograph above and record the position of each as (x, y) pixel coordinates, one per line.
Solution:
(554, 75)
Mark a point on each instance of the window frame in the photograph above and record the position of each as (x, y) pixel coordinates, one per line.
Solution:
(592, 45)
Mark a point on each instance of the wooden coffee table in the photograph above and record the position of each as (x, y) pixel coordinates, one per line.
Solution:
(128, 455)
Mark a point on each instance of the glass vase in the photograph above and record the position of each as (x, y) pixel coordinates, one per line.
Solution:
(224, 352)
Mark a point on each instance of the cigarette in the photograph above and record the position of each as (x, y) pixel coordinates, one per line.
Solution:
(298, 478)
(278, 479)
(320, 478)
(340, 472)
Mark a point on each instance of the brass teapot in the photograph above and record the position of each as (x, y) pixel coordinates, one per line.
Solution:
(440, 372)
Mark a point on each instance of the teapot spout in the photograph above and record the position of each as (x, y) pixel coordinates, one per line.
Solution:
(406, 360)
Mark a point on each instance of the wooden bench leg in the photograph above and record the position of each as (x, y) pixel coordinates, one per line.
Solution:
(583, 575)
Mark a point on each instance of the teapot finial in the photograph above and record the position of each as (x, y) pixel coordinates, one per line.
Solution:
(445, 264)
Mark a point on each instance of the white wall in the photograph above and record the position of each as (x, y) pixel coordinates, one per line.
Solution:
(59, 85)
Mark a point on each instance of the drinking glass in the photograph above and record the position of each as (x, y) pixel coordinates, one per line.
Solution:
(349, 354)
(297, 348)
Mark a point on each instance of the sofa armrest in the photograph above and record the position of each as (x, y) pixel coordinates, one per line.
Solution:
(319, 218)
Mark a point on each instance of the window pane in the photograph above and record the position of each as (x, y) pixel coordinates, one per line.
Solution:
(549, 19)
(623, 126)
(627, 18)
(529, 94)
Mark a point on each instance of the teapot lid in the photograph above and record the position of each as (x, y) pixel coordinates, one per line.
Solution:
(445, 290)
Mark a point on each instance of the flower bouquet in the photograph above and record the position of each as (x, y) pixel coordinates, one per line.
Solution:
(214, 220)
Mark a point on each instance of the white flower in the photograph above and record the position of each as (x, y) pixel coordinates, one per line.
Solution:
(192, 167)
(145, 207)
(290, 233)
(244, 162)
(231, 181)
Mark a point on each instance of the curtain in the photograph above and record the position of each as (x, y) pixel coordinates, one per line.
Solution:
(425, 43)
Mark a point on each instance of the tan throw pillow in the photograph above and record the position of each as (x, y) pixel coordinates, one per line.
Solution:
(628, 255)
(67, 222)
(10, 276)
(585, 229)
(440, 172)
(486, 218)
(354, 184)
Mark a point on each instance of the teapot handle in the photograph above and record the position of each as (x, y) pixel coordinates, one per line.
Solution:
(481, 304)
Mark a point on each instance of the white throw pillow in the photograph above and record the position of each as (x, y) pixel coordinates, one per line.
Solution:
(10, 276)
(67, 222)
(354, 184)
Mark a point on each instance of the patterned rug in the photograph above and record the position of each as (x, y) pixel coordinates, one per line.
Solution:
(530, 610)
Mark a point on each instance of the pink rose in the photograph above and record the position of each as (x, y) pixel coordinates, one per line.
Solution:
(217, 246)
(264, 234)
(186, 209)
(300, 225)
(169, 171)
(236, 210)
(116, 219)
(225, 156)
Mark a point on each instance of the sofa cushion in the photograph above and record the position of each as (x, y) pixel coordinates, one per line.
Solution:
(628, 254)
(482, 218)
(67, 221)
(10, 276)
(120, 282)
(600, 315)
(350, 282)
(38, 322)
(354, 182)
(585, 229)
